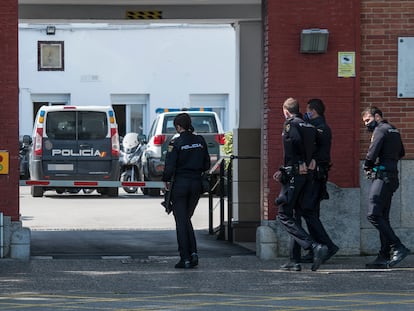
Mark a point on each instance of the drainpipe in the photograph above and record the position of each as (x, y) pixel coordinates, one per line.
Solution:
(1, 236)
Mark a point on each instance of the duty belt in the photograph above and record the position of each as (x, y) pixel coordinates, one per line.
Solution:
(290, 170)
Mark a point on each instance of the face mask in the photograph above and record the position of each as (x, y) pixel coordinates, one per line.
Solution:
(307, 116)
(371, 126)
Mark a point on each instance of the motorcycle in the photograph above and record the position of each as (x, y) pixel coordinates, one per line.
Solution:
(129, 159)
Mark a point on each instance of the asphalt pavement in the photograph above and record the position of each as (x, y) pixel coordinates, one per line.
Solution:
(222, 281)
(75, 270)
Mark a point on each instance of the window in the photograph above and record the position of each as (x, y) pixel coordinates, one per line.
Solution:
(61, 125)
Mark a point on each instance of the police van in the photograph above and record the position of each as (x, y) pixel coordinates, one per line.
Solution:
(75, 143)
(205, 122)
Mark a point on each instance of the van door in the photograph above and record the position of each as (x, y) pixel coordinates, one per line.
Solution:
(77, 146)
(94, 143)
(60, 145)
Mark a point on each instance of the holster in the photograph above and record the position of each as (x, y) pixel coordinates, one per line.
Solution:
(288, 172)
(321, 173)
(385, 176)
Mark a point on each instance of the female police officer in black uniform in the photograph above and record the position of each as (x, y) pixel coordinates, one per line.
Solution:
(187, 158)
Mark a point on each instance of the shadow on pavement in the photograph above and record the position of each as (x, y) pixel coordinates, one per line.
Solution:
(133, 243)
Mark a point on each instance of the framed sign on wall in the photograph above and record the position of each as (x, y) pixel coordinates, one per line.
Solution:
(50, 56)
(405, 87)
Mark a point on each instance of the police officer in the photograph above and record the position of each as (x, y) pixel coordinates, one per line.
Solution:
(315, 190)
(298, 144)
(187, 158)
(384, 152)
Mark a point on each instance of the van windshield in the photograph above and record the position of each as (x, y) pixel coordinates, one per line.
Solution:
(72, 125)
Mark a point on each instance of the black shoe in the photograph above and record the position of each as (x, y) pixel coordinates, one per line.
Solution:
(183, 264)
(319, 253)
(194, 260)
(291, 266)
(399, 254)
(380, 262)
(331, 251)
(308, 258)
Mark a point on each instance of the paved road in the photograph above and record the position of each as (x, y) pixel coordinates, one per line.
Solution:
(228, 278)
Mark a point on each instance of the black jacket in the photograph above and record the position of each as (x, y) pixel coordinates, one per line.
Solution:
(298, 141)
(386, 147)
(322, 153)
(187, 156)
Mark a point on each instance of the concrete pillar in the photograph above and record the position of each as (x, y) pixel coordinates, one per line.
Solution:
(20, 244)
(247, 136)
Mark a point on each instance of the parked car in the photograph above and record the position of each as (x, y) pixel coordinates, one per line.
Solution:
(75, 143)
(205, 123)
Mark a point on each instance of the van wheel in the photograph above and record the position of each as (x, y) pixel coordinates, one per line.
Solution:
(113, 192)
(36, 192)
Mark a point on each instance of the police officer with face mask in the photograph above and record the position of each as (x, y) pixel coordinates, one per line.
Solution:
(187, 158)
(315, 190)
(384, 152)
(298, 145)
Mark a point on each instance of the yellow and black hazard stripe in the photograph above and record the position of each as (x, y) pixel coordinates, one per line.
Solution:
(143, 14)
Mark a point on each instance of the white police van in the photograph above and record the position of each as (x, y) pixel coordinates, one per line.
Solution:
(75, 143)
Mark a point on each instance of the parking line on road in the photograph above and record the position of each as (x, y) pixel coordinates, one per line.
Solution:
(207, 301)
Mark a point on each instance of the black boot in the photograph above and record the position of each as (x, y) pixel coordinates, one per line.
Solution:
(183, 264)
(399, 254)
(380, 262)
(319, 254)
(194, 259)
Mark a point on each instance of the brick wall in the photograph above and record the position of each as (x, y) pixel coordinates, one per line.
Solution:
(9, 116)
(287, 73)
(382, 22)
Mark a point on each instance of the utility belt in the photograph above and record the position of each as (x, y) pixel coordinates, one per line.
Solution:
(288, 172)
(378, 172)
(385, 176)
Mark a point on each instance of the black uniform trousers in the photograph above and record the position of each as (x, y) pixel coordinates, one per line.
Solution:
(289, 198)
(185, 195)
(310, 211)
(379, 205)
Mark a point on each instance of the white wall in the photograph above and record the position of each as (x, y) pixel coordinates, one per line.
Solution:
(167, 62)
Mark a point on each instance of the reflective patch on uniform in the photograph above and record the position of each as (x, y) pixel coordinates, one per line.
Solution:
(287, 128)
(193, 146)
(170, 148)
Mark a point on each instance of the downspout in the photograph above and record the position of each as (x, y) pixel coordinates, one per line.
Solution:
(1, 236)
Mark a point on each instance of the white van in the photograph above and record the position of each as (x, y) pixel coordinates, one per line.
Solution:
(75, 143)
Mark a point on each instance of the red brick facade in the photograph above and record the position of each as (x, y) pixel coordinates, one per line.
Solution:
(368, 27)
(9, 116)
(288, 73)
(382, 22)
